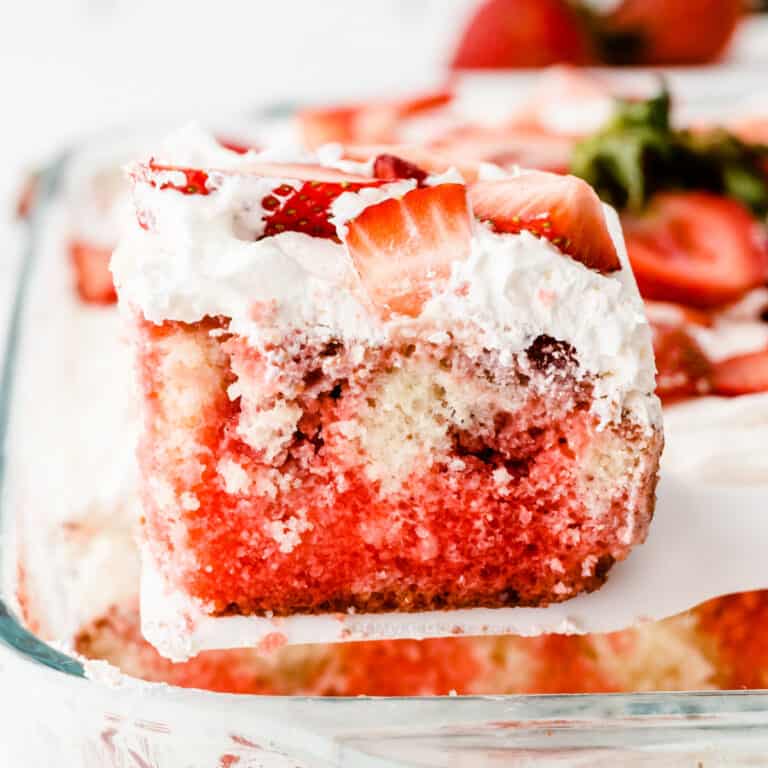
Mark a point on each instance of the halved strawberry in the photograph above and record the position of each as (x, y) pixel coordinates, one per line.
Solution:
(696, 248)
(523, 33)
(741, 375)
(372, 122)
(92, 276)
(403, 248)
(563, 209)
(682, 368)
(303, 206)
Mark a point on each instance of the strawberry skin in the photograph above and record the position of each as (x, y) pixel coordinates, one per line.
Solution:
(696, 248)
(306, 209)
(392, 168)
(741, 375)
(562, 209)
(522, 33)
(403, 248)
(677, 31)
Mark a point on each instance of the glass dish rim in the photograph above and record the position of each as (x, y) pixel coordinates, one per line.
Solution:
(26, 647)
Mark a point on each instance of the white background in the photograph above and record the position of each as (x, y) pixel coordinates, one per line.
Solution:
(68, 67)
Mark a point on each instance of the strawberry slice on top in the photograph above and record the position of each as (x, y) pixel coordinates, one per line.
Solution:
(697, 248)
(303, 205)
(562, 209)
(403, 248)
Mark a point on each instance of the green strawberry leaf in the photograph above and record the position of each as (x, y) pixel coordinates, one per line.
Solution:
(639, 153)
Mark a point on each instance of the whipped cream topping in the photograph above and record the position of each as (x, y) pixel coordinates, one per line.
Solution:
(201, 258)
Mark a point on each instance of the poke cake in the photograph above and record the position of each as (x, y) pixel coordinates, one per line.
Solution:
(366, 394)
(717, 645)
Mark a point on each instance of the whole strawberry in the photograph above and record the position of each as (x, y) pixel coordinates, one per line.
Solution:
(663, 32)
(523, 33)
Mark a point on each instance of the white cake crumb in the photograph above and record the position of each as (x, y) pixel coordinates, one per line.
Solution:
(236, 479)
(287, 533)
(189, 501)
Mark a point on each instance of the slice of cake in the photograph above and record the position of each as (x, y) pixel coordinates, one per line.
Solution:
(366, 395)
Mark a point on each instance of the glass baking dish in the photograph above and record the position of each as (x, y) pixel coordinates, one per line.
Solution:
(63, 716)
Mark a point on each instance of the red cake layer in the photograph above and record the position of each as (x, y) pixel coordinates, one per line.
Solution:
(528, 504)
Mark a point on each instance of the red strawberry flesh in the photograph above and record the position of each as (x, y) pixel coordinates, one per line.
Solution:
(696, 248)
(682, 368)
(403, 248)
(391, 167)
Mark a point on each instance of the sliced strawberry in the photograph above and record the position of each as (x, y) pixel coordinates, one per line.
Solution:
(741, 375)
(373, 122)
(391, 167)
(696, 248)
(188, 181)
(682, 368)
(306, 209)
(523, 33)
(195, 181)
(563, 209)
(403, 248)
(93, 278)
(301, 206)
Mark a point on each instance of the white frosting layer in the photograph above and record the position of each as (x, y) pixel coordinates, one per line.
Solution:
(200, 258)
